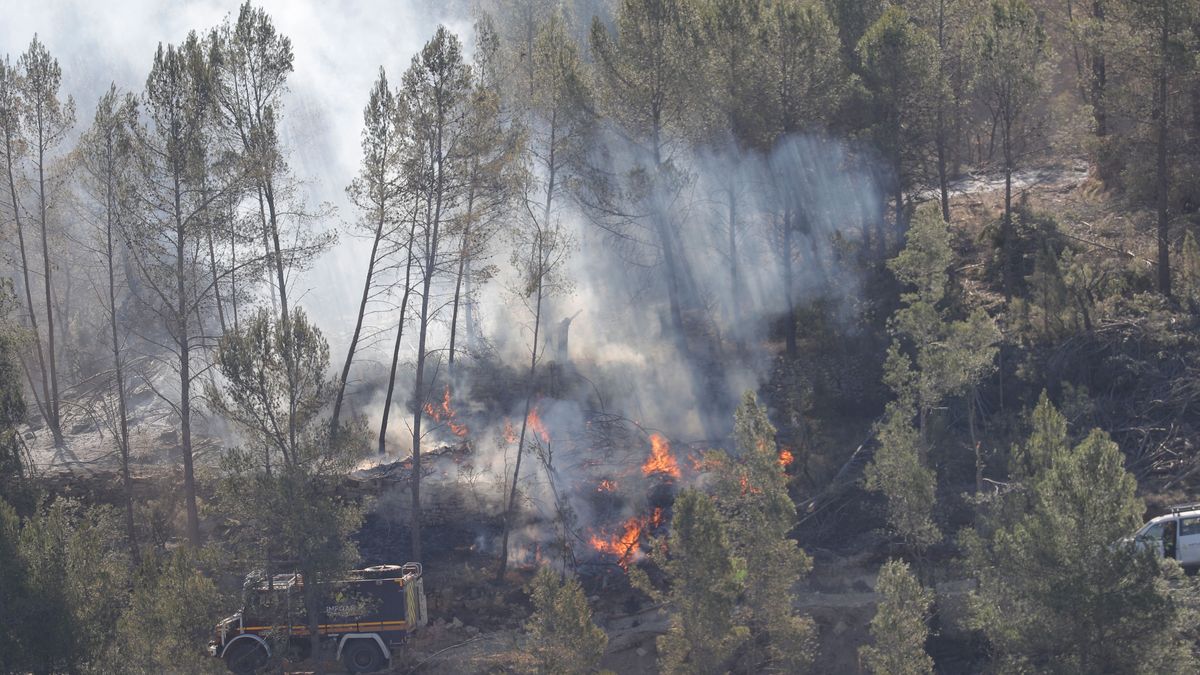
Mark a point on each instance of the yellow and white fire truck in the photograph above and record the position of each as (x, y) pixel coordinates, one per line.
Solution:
(369, 615)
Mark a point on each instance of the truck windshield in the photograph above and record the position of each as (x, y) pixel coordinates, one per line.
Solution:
(1153, 531)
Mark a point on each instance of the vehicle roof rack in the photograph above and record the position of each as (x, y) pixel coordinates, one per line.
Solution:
(1179, 508)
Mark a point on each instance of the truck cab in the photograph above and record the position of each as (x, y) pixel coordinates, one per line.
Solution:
(1174, 535)
(366, 616)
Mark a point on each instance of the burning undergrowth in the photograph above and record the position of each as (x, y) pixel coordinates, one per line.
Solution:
(595, 486)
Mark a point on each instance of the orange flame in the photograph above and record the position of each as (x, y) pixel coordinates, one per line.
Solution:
(786, 458)
(624, 546)
(606, 486)
(660, 461)
(445, 414)
(537, 426)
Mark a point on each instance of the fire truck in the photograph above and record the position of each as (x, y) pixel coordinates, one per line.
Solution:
(367, 616)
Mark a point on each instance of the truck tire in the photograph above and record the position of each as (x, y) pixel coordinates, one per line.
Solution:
(245, 657)
(362, 656)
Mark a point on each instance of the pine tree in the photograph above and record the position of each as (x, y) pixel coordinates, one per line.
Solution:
(283, 485)
(168, 235)
(900, 68)
(900, 626)
(647, 89)
(806, 83)
(106, 155)
(1059, 591)
(752, 497)
(47, 121)
(1013, 72)
(377, 191)
(704, 586)
(1154, 42)
(564, 638)
(541, 243)
(436, 93)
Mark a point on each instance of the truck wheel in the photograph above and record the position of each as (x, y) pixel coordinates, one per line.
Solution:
(362, 656)
(245, 657)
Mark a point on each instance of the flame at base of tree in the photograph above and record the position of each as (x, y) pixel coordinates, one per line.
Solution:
(444, 414)
(625, 545)
(661, 461)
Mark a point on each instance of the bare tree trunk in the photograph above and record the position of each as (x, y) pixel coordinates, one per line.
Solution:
(512, 490)
(52, 402)
(43, 408)
(118, 371)
(462, 265)
(362, 310)
(185, 375)
(387, 404)
(432, 232)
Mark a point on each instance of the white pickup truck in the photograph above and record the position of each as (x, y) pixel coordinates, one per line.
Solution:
(1174, 535)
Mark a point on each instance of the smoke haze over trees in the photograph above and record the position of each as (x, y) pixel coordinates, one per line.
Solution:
(689, 310)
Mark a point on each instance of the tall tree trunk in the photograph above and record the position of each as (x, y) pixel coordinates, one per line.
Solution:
(52, 402)
(1007, 235)
(540, 271)
(1099, 77)
(788, 282)
(943, 177)
(281, 280)
(734, 284)
(118, 371)
(432, 233)
(43, 408)
(387, 404)
(1162, 122)
(362, 310)
(212, 261)
(462, 266)
(510, 506)
(185, 375)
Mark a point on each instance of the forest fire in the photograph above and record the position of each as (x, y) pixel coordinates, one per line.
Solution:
(786, 458)
(606, 486)
(510, 434)
(446, 415)
(537, 426)
(661, 461)
(624, 546)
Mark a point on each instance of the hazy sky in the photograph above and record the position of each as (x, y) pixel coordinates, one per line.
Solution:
(339, 47)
